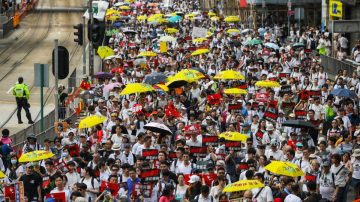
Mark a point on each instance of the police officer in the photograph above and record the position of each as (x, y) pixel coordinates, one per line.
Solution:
(22, 94)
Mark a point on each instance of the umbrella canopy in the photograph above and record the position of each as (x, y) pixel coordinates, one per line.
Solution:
(176, 83)
(342, 92)
(88, 94)
(35, 156)
(110, 86)
(267, 84)
(233, 31)
(235, 43)
(215, 18)
(229, 75)
(210, 14)
(199, 70)
(2, 175)
(117, 24)
(243, 185)
(171, 30)
(155, 78)
(105, 51)
(91, 121)
(200, 52)
(189, 75)
(284, 168)
(141, 17)
(232, 19)
(131, 88)
(199, 40)
(298, 45)
(125, 7)
(245, 31)
(174, 19)
(298, 124)
(234, 136)
(272, 45)
(147, 54)
(103, 75)
(235, 91)
(253, 42)
(167, 39)
(130, 32)
(158, 128)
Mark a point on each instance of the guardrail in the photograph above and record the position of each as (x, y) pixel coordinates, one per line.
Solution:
(333, 65)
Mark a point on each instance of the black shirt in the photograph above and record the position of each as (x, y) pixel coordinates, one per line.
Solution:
(31, 183)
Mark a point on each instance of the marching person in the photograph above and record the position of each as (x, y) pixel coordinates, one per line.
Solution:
(22, 95)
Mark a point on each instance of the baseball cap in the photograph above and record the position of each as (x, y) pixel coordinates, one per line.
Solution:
(194, 178)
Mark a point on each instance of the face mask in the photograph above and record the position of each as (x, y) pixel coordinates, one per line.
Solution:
(65, 154)
(13, 161)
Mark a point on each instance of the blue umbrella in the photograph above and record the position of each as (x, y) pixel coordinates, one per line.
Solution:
(154, 78)
(342, 92)
(117, 24)
(174, 19)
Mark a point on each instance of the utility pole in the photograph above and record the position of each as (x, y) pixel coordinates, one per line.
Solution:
(84, 45)
(56, 41)
(91, 51)
(289, 9)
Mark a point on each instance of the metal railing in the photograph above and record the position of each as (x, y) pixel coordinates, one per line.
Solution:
(333, 65)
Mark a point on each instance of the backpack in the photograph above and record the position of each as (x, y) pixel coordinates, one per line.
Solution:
(196, 199)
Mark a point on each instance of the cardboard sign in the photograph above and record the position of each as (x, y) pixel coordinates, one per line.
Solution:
(198, 151)
(270, 116)
(210, 140)
(315, 93)
(144, 189)
(288, 105)
(300, 114)
(198, 32)
(236, 146)
(112, 187)
(163, 47)
(273, 104)
(150, 175)
(262, 97)
(286, 89)
(283, 75)
(150, 154)
(235, 107)
(201, 165)
(259, 135)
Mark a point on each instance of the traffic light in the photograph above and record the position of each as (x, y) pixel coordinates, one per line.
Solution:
(79, 33)
(63, 62)
(96, 33)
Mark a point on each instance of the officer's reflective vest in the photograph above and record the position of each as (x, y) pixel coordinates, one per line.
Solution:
(19, 90)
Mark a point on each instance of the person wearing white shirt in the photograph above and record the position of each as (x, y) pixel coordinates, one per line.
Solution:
(263, 194)
(274, 153)
(355, 170)
(293, 197)
(341, 176)
(72, 176)
(146, 145)
(186, 166)
(325, 181)
(194, 141)
(60, 187)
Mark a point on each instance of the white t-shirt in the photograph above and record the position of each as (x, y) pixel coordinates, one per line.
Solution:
(326, 185)
(264, 196)
(73, 178)
(292, 198)
(356, 172)
(184, 169)
(89, 186)
(340, 177)
(278, 154)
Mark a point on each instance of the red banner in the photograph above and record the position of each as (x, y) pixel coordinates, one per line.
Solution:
(198, 151)
(58, 197)
(259, 135)
(270, 116)
(242, 3)
(233, 145)
(208, 178)
(150, 175)
(214, 99)
(210, 140)
(262, 97)
(300, 114)
(144, 189)
(150, 154)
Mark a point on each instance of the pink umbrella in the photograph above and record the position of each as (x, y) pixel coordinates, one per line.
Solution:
(137, 4)
(111, 86)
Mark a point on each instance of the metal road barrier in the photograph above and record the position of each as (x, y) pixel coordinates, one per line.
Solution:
(333, 65)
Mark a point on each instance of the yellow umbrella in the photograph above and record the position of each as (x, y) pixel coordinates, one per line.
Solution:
(2, 175)
(112, 11)
(199, 40)
(191, 15)
(130, 1)
(267, 83)
(229, 75)
(91, 121)
(163, 20)
(35, 156)
(189, 75)
(215, 18)
(132, 88)
(232, 18)
(162, 87)
(200, 52)
(284, 168)
(105, 51)
(125, 7)
(210, 14)
(236, 91)
(112, 17)
(234, 136)
(171, 30)
(147, 54)
(157, 15)
(233, 31)
(243, 185)
(141, 17)
(209, 34)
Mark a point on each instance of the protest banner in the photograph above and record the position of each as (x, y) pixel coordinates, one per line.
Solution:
(143, 189)
(198, 32)
(210, 140)
(236, 146)
(198, 151)
(150, 154)
(300, 114)
(150, 175)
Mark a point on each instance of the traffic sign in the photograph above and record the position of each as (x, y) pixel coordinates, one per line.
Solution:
(335, 8)
(290, 13)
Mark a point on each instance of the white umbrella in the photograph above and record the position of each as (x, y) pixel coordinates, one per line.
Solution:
(272, 45)
(109, 57)
(245, 31)
(158, 128)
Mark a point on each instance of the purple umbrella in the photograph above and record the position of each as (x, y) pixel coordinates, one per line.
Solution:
(103, 75)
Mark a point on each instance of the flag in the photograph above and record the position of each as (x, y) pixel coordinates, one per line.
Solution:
(243, 3)
(214, 99)
(112, 187)
(170, 110)
(60, 196)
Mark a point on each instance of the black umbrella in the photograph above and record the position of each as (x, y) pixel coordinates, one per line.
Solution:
(199, 70)
(177, 83)
(154, 78)
(298, 124)
(158, 128)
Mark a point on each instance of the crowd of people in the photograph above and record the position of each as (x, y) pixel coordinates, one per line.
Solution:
(186, 159)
